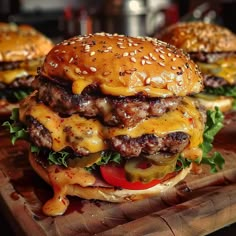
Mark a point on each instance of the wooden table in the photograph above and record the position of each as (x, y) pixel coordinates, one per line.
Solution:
(199, 205)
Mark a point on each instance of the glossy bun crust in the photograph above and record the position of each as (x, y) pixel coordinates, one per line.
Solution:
(199, 37)
(122, 66)
(20, 43)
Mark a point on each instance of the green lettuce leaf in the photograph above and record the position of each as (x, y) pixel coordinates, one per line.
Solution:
(16, 128)
(213, 126)
(223, 90)
(15, 95)
(58, 158)
(106, 157)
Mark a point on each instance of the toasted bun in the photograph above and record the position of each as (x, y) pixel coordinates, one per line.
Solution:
(199, 37)
(19, 43)
(122, 66)
(110, 194)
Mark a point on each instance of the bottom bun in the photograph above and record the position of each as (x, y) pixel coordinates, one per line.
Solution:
(210, 102)
(111, 193)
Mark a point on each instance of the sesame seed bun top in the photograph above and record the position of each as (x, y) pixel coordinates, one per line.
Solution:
(199, 37)
(20, 43)
(122, 66)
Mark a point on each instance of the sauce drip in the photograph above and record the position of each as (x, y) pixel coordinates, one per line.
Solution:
(60, 178)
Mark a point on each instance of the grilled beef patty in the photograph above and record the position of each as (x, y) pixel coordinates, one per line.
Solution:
(113, 111)
(147, 144)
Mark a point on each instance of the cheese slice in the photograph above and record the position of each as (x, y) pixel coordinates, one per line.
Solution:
(78, 132)
(224, 68)
(25, 68)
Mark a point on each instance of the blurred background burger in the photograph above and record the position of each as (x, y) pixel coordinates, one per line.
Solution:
(22, 50)
(213, 48)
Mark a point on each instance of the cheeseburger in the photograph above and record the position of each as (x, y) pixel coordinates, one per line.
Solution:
(110, 119)
(22, 50)
(213, 48)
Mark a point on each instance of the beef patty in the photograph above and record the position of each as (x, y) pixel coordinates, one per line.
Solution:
(112, 111)
(147, 144)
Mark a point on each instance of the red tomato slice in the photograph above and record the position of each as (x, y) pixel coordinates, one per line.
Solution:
(115, 175)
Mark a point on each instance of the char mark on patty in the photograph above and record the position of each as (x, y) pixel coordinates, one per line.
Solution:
(112, 111)
(147, 144)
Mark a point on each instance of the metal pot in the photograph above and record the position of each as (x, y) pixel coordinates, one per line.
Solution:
(121, 16)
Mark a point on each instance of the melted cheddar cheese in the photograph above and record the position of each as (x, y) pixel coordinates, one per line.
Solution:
(25, 68)
(224, 68)
(78, 132)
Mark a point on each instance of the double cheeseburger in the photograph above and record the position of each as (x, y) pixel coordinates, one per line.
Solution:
(22, 50)
(213, 48)
(110, 117)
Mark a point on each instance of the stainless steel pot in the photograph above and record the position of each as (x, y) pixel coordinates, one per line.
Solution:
(121, 16)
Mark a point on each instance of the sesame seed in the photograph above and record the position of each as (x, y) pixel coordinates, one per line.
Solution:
(84, 72)
(122, 47)
(93, 69)
(146, 57)
(161, 63)
(120, 43)
(143, 62)
(148, 62)
(173, 68)
(169, 54)
(148, 80)
(77, 70)
(71, 59)
(173, 59)
(109, 48)
(57, 50)
(92, 53)
(162, 52)
(135, 44)
(162, 57)
(154, 58)
(106, 50)
(129, 44)
(133, 59)
(125, 54)
(156, 50)
(132, 54)
(72, 42)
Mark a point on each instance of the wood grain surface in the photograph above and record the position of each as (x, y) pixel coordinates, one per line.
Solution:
(198, 205)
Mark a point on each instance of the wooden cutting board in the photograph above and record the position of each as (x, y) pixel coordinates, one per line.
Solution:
(198, 205)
